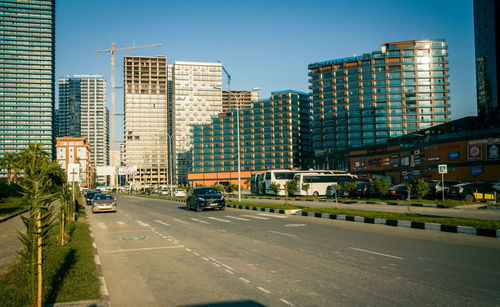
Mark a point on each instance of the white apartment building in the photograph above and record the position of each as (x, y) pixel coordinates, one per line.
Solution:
(145, 118)
(197, 98)
(83, 113)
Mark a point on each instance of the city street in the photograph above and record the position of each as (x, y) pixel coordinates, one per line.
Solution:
(156, 253)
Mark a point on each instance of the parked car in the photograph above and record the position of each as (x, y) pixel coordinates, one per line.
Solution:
(364, 190)
(341, 191)
(180, 192)
(103, 202)
(473, 191)
(205, 197)
(436, 188)
(89, 196)
(398, 191)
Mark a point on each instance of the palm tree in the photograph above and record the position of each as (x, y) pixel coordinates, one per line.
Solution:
(7, 163)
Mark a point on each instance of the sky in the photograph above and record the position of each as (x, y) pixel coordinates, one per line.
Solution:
(262, 43)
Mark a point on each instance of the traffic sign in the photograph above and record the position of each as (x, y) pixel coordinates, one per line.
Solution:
(443, 168)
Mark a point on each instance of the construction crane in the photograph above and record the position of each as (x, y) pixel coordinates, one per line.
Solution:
(113, 50)
(228, 77)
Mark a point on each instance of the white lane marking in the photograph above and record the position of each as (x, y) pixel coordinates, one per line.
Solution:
(205, 258)
(283, 234)
(120, 223)
(229, 271)
(220, 220)
(142, 249)
(196, 254)
(237, 218)
(142, 223)
(286, 302)
(224, 265)
(245, 280)
(274, 215)
(295, 225)
(162, 222)
(200, 221)
(188, 249)
(216, 264)
(103, 226)
(181, 221)
(264, 290)
(257, 217)
(375, 253)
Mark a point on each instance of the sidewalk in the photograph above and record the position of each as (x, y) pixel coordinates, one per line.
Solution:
(9, 241)
(463, 211)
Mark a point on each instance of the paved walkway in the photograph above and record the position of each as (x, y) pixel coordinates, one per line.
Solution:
(9, 241)
(471, 211)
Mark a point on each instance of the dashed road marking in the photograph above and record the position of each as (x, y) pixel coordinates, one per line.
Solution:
(286, 302)
(283, 234)
(181, 221)
(120, 223)
(229, 271)
(188, 249)
(142, 223)
(264, 290)
(274, 215)
(216, 264)
(245, 280)
(205, 258)
(200, 221)
(237, 218)
(257, 217)
(142, 249)
(220, 220)
(196, 254)
(162, 222)
(375, 253)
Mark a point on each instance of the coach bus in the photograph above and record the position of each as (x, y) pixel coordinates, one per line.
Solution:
(281, 177)
(318, 183)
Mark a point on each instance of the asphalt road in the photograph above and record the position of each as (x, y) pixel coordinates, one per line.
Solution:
(156, 253)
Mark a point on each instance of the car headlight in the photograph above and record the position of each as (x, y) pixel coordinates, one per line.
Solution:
(201, 199)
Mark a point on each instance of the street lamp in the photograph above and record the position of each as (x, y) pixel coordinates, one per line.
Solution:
(170, 159)
(238, 152)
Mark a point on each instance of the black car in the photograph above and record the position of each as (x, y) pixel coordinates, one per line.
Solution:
(89, 195)
(205, 197)
(398, 191)
(473, 191)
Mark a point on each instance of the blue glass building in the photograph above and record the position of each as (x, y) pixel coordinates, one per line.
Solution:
(27, 41)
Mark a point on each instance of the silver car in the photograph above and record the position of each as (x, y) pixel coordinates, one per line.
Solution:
(103, 202)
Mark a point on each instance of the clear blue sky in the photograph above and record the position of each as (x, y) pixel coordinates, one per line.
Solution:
(263, 43)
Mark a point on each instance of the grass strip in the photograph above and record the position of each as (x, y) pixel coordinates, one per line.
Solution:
(11, 205)
(69, 272)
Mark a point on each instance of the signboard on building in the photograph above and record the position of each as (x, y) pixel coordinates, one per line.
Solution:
(127, 170)
(474, 152)
(105, 170)
(492, 152)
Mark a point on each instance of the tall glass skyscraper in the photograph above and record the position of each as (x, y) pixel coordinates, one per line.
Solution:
(27, 41)
(366, 99)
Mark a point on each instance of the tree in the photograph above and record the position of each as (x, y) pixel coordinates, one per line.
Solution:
(350, 188)
(380, 186)
(65, 211)
(275, 187)
(38, 181)
(419, 188)
(305, 187)
(290, 188)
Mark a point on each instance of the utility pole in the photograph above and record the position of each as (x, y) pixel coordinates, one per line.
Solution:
(113, 50)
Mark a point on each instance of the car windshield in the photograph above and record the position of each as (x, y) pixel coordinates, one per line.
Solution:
(104, 196)
(206, 190)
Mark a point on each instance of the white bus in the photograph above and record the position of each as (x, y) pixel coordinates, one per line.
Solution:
(318, 183)
(282, 176)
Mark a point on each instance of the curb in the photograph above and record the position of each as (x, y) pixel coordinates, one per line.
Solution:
(100, 276)
(8, 217)
(408, 224)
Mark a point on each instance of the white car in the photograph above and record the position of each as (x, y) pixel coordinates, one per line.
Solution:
(179, 193)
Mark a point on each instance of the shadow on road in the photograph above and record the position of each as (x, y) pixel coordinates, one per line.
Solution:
(228, 304)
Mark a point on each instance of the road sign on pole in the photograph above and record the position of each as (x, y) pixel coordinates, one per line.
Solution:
(443, 169)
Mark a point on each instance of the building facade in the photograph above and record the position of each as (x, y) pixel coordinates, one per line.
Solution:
(83, 113)
(27, 42)
(231, 99)
(197, 98)
(487, 47)
(146, 118)
(275, 133)
(74, 156)
(469, 147)
(370, 98)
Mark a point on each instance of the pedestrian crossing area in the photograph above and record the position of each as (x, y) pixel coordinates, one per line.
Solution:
(202, 220)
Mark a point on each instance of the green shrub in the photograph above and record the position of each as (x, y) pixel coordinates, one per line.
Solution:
(350, 188)
(419, 188)
(380, 186)
(275, 187)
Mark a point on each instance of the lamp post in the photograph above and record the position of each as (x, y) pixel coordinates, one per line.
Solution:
(170, 160)
(238, 152)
